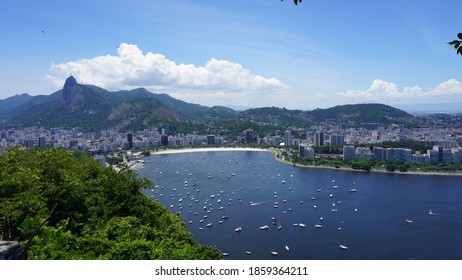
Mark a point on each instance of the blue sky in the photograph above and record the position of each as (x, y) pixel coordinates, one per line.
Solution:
(251, 53)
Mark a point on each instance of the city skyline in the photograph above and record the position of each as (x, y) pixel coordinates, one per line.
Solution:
(250, 54)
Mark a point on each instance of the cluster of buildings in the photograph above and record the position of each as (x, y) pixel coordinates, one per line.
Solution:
(434, 156)
(445, 140)
(100, 142)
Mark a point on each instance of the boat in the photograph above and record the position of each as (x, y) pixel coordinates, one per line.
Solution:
(279, 227)
(248, 253)
(430, 212)
(287, 248)
(409, 221)
(343, 247)
(274, 253)
(314, 206)
(318, 226)
(353, 190)
(264, 227)
(225, 254)
(301, 225)
(238, 229)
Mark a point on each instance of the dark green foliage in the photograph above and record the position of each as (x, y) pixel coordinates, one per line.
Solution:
(457, 44)
(361, 113)
(413, 145)
(87, 211)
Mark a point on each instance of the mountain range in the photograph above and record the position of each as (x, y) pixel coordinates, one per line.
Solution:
(94, 108)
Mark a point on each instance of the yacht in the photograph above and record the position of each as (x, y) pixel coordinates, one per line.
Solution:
(343, 247)
(264, 227)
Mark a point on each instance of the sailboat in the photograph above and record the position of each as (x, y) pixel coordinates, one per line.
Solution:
(430, 212)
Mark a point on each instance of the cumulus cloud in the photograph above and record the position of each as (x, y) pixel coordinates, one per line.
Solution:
(386, 92)
(130, 68)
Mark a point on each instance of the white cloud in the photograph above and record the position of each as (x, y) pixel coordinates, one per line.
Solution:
(130, 68)
(385, 92)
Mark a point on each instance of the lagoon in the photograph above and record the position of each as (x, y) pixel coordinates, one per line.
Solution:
(217, 192)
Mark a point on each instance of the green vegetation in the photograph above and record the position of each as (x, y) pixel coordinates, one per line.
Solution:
(457, 44)
(64, 205)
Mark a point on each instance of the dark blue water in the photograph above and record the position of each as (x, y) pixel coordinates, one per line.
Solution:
(371, 222)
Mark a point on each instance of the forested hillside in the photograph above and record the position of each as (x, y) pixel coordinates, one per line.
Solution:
(64, 205)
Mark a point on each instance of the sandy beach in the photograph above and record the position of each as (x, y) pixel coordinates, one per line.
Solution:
(215, 149)
(240, 149)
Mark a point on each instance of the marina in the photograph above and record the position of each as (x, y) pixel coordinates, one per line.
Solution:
(389, 210)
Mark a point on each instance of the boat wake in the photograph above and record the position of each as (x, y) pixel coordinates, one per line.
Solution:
(255, 203)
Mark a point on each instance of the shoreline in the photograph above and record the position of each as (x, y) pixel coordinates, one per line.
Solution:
(215, 149)
(274, 152)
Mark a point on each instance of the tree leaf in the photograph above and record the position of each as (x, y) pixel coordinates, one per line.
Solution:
(459, 35)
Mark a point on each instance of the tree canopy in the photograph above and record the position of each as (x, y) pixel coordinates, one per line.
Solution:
(64, 205)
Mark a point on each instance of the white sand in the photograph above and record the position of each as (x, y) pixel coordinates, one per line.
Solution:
(193, 150)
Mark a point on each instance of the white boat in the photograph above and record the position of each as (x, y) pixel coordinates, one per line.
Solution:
(343, 247)
(248, 253)
(279, 227)
(318, 226)
(430, 212)
(353, 190)
(301, 225)
(287, 248)
(225, 254)
(238, 229)
(314, 206)
(209, 224)
(274, 253)
(264, 227)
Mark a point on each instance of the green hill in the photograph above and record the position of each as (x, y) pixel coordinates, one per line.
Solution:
(94, 108)
(64, 205)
